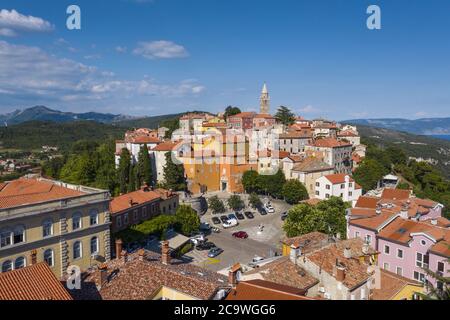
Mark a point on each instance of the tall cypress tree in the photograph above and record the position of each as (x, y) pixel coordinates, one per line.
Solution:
(144, 168)
(174, 175)
(124, 170)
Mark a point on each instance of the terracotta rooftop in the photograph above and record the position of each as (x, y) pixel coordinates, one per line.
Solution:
(264, 290)
(26, 191)
(367, 202)
(373, 222)
(165, 146)
(391, 284)
(264, 116)
(36, 282)
(395, 194)
(134, 198)
(243, 115)
(144, 139)
(347, 133)
(141, 280)
(330, 143)
(309, 242)
(338, 178)
(311, 164)
(355, 271)
(300, 134)
(284, 272)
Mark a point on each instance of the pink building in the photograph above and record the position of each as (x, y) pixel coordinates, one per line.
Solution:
(409, 233)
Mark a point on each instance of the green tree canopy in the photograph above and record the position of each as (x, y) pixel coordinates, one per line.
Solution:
(369, 173)
(285, 115)
(187, 219)
(144, 168)
(294, 191)
(235, 202)
(174, 175)
(254, 201)
(216, 205)
(123, 171)
(250, 181)
(231, 111)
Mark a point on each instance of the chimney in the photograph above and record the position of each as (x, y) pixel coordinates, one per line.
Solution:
(232, 275)
(347, 253)
(295, 252)
(33, 256)
(118, 248)
(103, 274)
(124, 256)
(434, 221)
(130, 202)
(340, 272)
(141, 254)
(165, 253)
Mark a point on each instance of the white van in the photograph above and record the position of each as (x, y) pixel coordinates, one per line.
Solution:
(230, 223)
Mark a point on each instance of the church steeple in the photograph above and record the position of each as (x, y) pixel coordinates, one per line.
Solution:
(264, 100)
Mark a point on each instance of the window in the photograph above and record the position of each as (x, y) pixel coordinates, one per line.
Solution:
(144, 212)
(342, 186)
(76, 221)
(386, 266)
(77, 250)
(368, 239)
(387, 249)
(317, 184)
(419, 276)
(135, 215)
(328, 187)
(94, 245)
(7, 266)
(399, 271)
(400, 253)
(93, 217)
(440, 267)
(19, 235)
(125, 219)
(422, 260)
(356, 234)
(423, 242)
(350, 184)
(350, 193)
(48, 257)
(317, 193)
(5, 238)
(19, 263)
(327, 196)
(47, 228)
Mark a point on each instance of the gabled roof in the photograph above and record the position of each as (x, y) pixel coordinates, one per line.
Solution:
(395, 194)
(131, 199)
(243, 115)
(391, 284)
(264, 290)
(367, 202)
(36, 282)
(338, 178)
(330, 143)
(312, 164)
(374, 222)
(165, 146)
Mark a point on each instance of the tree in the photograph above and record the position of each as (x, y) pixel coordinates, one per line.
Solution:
(123, 171)
(231, 111)
(369, 173)
(327, 217)
(396, 155)
(285, 115)
(254, 201)
(273, 184)
(174, 175)
(235, 202)
(187, 219)
(106, 169)
(250, 181)
(144, 168)
(216, 205)
(132, 182)
(294, 191)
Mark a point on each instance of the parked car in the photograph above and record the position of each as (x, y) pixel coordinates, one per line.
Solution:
(215, 220)
(249, 215)
(205, 246)
(284, 215)
(257, 259)
(223, 219)
(262, 211)
(215, 230)
(240, 235)
(232, 216)
(214, 252)
(240, 216)
(269, 208)
(198, 239)
(230, 223)
(204, 226)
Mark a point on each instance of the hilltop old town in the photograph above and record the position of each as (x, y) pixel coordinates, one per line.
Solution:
(229, 206)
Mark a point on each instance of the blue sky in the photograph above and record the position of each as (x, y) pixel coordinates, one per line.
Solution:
(150, 57)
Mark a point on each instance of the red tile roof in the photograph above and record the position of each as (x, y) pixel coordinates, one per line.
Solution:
(30, 191)
(264, 290)
(391, 284)
(144, 139)
(128, 200)
(264, 116)
(165, 146)
(338, 178)
(347, 133)
(395, 194)
(243, 115)
(330, 143)
(367, 202)
(36, 282)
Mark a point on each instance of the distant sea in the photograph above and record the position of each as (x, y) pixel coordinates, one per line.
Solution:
(445, 137)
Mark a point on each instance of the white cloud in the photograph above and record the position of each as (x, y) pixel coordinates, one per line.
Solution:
(29, 73)
(120, 49)
(161, 49)
(12, 21)
(308, 109)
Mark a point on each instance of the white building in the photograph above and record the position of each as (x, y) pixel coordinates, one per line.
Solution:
(338, 185)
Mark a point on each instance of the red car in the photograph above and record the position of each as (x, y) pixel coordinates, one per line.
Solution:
(240, 235)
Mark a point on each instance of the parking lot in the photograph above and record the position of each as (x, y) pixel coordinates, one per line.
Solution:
(264, 244)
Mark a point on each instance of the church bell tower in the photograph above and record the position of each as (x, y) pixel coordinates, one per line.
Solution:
(264, 100)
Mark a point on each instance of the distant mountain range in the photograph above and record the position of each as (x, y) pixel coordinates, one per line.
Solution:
(42, 113)
(426, 126)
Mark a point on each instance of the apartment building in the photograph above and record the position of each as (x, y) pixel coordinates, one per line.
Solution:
(336, 153)
(242, 121)
(308, 171)
(55, 222)
(338, 185)
(294, 142)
